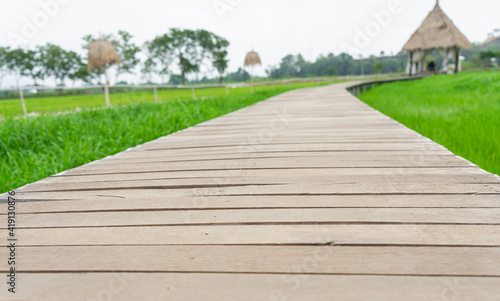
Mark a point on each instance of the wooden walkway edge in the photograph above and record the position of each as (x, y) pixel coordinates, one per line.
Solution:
(309, 195)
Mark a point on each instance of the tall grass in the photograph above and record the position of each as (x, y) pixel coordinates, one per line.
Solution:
(34, 148)
(461, 112)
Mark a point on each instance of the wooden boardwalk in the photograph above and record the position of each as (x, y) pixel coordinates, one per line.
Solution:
(310, 195)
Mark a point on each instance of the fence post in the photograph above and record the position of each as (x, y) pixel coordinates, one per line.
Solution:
(21, 95)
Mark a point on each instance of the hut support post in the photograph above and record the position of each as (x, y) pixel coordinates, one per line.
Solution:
(156, 95)
(23, 104)
(410, 66)
(421, 65)
(457, 60)
(194, 93)
(106, 87)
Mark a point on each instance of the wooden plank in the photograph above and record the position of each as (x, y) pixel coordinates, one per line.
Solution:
(255, 176)
(378, 165)
(394, 146)
(422, 261)
(489, 185)
(234, 172)
(46, 202)
(249, 287)
(289, 156)
(437, 235)
(260, 216)
(227, 188)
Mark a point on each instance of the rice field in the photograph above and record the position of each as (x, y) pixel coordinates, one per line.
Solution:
(37, 147)
(42, 105)
(460, 112)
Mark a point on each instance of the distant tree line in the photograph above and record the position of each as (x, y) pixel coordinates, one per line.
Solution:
(182, 52)
(336, 65)
(188, 50)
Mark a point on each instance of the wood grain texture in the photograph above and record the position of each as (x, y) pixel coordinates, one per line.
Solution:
(309, 195)
(251, 287)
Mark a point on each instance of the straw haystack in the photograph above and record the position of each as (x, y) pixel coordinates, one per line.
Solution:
(437, 32)
(252, 59)
(102, 54)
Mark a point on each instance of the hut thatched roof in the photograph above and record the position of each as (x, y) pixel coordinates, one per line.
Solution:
(252, 59)
(437, 32)
(102, 53)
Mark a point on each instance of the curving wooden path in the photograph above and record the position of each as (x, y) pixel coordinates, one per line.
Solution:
(310, 195)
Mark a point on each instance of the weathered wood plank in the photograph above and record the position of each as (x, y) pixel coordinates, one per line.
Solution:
(249, 287)
(86, 201)
(260, 216)
(459, 235)
(422, 261)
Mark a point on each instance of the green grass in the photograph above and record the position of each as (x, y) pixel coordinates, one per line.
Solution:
(460, 112)
(12, 107)
(34, 148)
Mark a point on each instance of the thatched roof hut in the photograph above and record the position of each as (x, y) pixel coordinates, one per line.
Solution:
(252, 59)
(437, 32)
(102, 53)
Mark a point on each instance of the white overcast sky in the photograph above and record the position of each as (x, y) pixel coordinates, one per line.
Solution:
(274, 28)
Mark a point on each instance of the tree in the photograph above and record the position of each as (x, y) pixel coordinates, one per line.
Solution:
(218, 51)
(239, 76)
(32, 66)
(4, 69)
(189, 49)
(489, 54)
(25, 63)
(59, 63)
(148, 69)
(81, 73)
(16, 59)
(183, 47)
(203, 43)
(175, 79)
(16, 63)
(378, 67)
(159, 56)
(127, 51)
